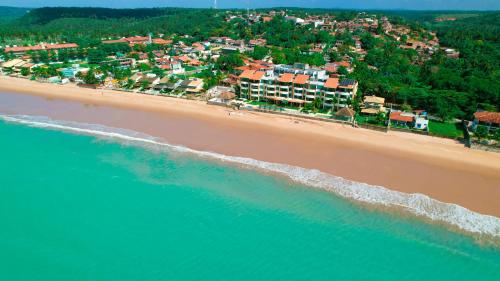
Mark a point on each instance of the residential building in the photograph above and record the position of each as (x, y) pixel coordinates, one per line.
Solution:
(192, 85)
(373, 105)
(165, 84)
(296, 89)
(416, 119)
(399, 118)
(491, 120)
(300, 68)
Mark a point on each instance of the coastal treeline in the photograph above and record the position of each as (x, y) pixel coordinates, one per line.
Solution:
(444, 86)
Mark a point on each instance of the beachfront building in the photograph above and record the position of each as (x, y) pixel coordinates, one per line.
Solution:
(192, 85)
(297, 88)
(490, 120)
(417, 119)
(9, 66)
(373, 105)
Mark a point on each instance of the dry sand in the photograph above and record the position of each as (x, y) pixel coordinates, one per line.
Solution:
(441, 168)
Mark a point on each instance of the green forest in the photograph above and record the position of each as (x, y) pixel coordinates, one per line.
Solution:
(446, 87)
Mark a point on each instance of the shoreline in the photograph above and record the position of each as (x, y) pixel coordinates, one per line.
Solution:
(440, 168)
(484, 229)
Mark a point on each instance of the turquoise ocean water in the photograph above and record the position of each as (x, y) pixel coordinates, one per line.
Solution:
(80, 207)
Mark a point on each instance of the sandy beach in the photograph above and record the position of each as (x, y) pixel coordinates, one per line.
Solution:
(441, 168)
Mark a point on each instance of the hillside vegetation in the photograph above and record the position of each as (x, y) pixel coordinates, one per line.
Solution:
(11, 13)
(447, 87)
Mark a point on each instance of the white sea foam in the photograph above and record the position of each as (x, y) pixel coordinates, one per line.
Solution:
(417, 204)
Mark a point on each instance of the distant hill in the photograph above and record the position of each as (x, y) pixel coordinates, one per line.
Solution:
(11, 13)
(46, 15)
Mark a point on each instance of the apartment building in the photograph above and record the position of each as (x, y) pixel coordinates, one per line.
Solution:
(296, 89)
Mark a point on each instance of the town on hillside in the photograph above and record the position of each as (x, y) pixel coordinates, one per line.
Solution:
(313, 65)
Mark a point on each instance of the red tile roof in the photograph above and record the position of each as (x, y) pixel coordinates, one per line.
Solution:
(332, 83)
(23, 49)
(343, 63)
(137, 39)
(41, 47)
(258, 75)
(161, 41)
(301, 79)
(396, 116)
(247, 74)
(198, 46)
(488, 117)
(184, 58)
(331, 68)
(286, 78)
(61, 46)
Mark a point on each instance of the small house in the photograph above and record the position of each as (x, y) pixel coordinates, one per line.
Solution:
(373, 105)
(491, 120)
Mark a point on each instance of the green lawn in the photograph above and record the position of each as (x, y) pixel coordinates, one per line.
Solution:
(271, 105)
(449, 130)
(371, 120)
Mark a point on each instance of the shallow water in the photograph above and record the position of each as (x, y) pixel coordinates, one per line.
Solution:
(79, 207)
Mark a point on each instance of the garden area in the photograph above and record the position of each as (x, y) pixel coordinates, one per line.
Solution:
(446, 129)
(376, 120)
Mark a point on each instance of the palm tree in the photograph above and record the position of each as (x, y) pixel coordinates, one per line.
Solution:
(317, 104)
(335, 102)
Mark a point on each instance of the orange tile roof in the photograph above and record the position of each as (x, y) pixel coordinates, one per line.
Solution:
(137, 39)
(161, 41)
(247, 74)
(488, 117)
(332, 83)
(183, 58)
(198, 46)
(343, 63)
(301, 79)
(62, 46)
(331, 68)
(286, 78)
(23, 49)
(243, 68)
(258, 75)
(41, 47)
(396, 116)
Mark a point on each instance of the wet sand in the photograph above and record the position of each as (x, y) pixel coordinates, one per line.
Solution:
(441, 168)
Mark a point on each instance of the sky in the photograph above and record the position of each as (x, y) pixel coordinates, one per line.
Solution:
(347, 4)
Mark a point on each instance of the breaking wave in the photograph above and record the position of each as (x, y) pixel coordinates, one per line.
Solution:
(418, 204)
